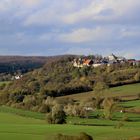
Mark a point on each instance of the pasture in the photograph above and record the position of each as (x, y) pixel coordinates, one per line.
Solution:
(4, 82)
(18, 126)
(131, 104)
(126, 92)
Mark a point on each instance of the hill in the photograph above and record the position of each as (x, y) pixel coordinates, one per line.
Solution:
(15, 127)
(125, 92)
(12, 65)
(59, 78)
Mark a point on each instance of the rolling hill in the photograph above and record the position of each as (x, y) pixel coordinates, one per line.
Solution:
(58, 78)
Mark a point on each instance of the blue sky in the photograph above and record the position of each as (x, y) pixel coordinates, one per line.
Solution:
(53, 27)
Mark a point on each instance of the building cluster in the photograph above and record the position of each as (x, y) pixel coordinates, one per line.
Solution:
(97, 62)
(17, 77)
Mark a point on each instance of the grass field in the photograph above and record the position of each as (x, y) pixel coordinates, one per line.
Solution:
(127, 92)
(14, 127)
(4, 82)
(131, 104)
(18, 126)
(23, 113)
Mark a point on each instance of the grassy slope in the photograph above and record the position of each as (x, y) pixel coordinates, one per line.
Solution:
(127, 91)
(19, 128)
(17, 124)
(15, 127)
(131, 104)
(23, 113)
(5, 82)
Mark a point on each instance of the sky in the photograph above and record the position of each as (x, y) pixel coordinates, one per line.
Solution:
(83, 27)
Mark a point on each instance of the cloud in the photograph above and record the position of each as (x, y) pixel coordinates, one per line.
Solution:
(131, 33)
(22, 3)
(105, 11)
(97, 34)
(76, 26)
(77, 12)
(51, 13)
(15, 9)
(80, 51)
(30, 3)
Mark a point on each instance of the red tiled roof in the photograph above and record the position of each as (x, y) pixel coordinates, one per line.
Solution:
(87, 62)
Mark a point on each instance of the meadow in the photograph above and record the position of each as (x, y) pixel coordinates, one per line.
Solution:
(126, 92)
(18, 124)
(15, 127)
(4, 82)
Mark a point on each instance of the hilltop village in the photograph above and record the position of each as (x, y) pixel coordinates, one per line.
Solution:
(100, 61)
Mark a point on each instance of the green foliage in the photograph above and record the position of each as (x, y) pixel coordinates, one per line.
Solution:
(134, 138)
(109, 107)
(21, 112)
(100, 87)
(58, 77)
(97, 101)
(137, 76)
(57, 115)
(119, 125)
(76, 110)
(82, 136)
(125, 117)
(29, 128)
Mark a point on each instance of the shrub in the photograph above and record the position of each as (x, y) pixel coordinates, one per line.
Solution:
(109, 107)
(119, 125)
(137, 76)
(82, 136)
(57, 115)
(134, 138)
(44, 108)
(125, 117)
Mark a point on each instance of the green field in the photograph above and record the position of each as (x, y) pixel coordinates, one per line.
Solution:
(23, 113)
(4, 82)
(126, 92)
(14, 126)
(132, 104)
(18, 124)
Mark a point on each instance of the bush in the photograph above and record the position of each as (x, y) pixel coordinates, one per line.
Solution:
(119, 125)
(134, 138)
(57, 115)
(137, 76)
(109, 107)
(82, 136)
(125, 118)
(44, 108)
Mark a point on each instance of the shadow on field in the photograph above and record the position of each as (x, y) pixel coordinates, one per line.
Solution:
(94, 124)
(81, 136)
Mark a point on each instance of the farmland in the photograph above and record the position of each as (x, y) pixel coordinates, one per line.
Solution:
(18, 124)
(70, 70)
(15, 127)
(127, 92)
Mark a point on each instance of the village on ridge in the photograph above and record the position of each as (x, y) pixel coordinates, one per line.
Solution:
(99, 61)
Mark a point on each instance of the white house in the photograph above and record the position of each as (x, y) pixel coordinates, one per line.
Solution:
(112, 58)
(17, 77)
(97, 65)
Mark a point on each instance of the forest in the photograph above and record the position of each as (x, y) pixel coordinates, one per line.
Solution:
(59, 78)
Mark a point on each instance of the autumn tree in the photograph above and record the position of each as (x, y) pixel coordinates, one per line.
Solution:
(57, 115)
(109, 107)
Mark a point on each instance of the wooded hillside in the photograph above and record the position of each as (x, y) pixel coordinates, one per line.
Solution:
(12, 65)
(59, 77)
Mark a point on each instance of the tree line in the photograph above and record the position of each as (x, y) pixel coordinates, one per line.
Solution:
(59, 78)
